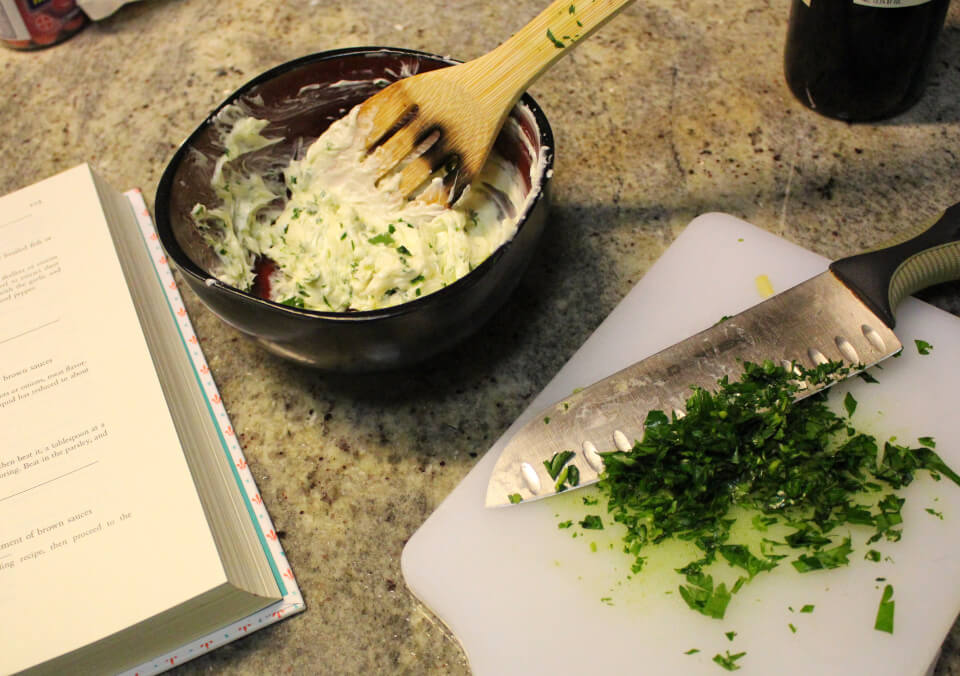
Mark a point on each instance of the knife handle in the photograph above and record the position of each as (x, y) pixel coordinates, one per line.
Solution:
(924, 257)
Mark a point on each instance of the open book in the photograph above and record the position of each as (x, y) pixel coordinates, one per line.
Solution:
(132, 535)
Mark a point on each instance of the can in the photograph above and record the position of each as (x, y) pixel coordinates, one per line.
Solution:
(35, 24)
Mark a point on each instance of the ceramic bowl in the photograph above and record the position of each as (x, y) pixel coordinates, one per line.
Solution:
(300, 99)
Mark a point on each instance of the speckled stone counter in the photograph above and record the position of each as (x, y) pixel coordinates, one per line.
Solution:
(675, 108)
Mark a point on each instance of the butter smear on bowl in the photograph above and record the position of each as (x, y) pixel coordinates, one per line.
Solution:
(322, 235)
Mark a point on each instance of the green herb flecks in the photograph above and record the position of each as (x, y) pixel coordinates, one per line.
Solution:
(555, 464)
(568, 475)
(514, 498)
(923, 347)
(701, 595)
(591, 522)
(825, 558)
(382, 238)
(728, 661)
(293, 301)
(750, 446)
(553, 39)
(850, 404)
(884, 621)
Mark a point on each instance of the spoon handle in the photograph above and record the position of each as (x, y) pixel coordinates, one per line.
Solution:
(513, 66)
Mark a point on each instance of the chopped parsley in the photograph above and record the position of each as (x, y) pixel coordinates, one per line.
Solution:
(514, 498)
(923, 347)
(591, 522)
(569, 474)
(750, 445)
(382, 238)
(555, 464)
(728, 661)
(553, 39)
(825, 558)
(700, 594)
(850, 404)
(293, 301)
(884, 621)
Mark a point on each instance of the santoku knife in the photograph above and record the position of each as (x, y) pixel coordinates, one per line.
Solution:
(844, 314)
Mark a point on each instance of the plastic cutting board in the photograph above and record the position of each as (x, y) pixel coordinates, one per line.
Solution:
(526, 597)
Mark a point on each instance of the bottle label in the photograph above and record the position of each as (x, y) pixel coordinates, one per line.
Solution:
(890, 3)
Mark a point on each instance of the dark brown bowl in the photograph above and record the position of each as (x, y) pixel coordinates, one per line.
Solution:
(298, 99)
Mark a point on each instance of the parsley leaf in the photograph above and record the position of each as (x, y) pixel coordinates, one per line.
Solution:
(556, 463)
(728, 661)
(884, 621)
(701, 595)
(850, 404)
(382, 238)
(591, 522)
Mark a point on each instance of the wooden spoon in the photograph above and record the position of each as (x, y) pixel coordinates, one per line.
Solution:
(446, 120)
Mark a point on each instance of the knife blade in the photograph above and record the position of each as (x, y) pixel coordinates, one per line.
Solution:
(845, 314)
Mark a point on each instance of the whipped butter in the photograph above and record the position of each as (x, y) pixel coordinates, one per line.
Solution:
(339, 242)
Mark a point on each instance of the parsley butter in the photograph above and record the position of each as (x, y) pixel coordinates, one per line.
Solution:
(336, 241)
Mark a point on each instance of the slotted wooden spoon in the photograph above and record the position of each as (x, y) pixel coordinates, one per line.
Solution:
(445, 121)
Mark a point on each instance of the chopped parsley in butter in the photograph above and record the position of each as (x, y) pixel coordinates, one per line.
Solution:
(339, 242)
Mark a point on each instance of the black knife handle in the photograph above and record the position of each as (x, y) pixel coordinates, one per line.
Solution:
(924, 257)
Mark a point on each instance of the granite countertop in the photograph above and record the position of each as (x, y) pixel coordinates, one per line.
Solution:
(675, 108)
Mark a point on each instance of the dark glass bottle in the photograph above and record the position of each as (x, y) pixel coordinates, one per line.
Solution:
(861, 59)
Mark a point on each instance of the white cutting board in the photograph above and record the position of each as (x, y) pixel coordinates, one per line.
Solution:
(525, 597)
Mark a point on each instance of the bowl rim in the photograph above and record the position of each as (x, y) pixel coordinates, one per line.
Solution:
(192, 270)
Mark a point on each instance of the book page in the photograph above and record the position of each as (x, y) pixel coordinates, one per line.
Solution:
(100, 524)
